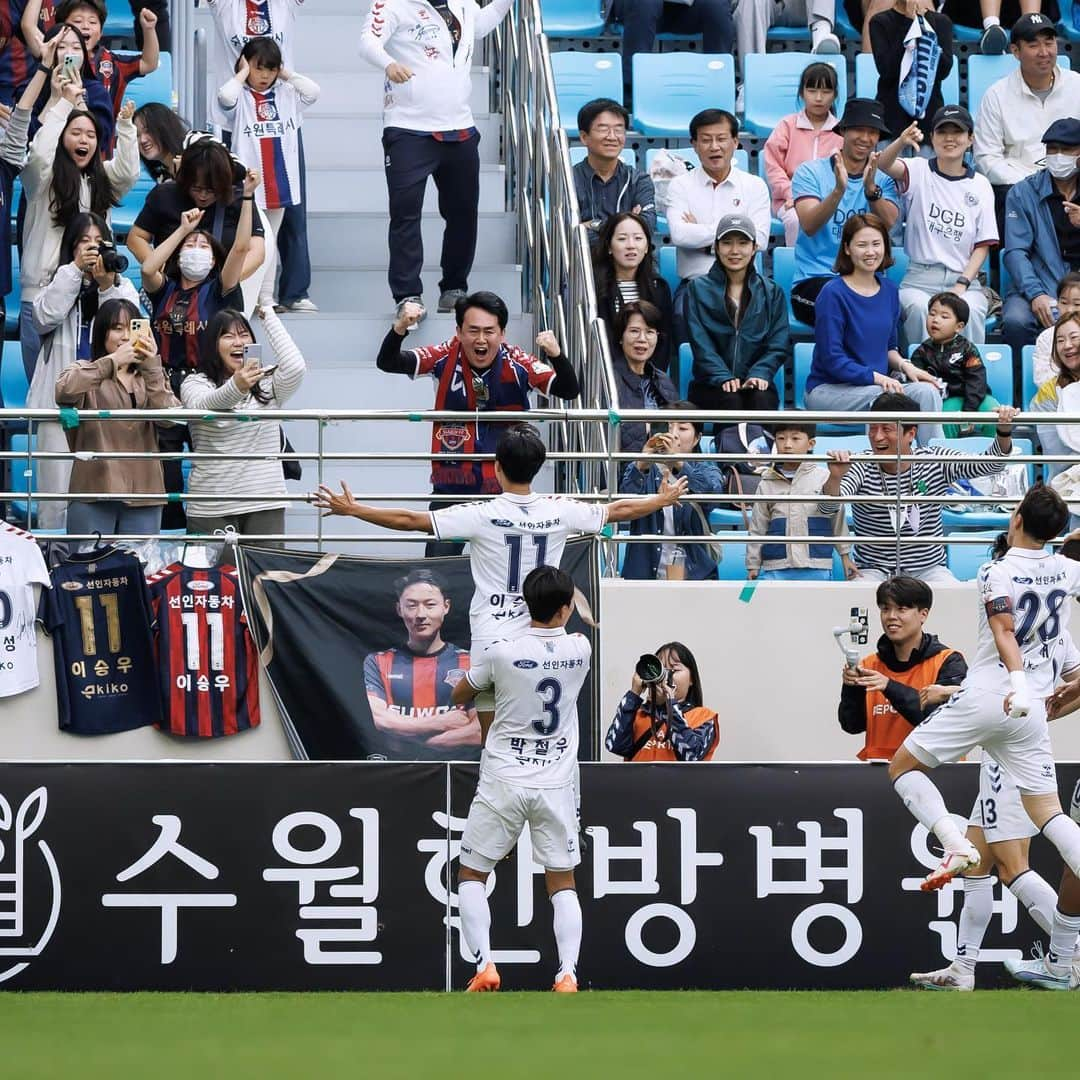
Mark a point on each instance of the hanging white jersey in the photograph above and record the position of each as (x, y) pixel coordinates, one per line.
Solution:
(21, 568)
(537, 677)
(509, 536)
(1035, 587)
(947, 217)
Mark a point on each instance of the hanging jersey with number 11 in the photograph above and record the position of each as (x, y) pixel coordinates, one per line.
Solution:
(98, 615)
(207, 666)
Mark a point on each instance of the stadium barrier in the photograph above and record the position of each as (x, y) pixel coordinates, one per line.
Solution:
(342, 877)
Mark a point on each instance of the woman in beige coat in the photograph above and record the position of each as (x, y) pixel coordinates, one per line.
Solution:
(124, 372)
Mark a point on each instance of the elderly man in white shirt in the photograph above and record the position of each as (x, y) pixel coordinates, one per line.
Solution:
(1017, 109)
(697, 201)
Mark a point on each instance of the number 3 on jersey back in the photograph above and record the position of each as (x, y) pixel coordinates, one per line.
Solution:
(550, 691)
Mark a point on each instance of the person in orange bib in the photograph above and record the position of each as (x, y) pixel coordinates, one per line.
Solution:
(895, 688)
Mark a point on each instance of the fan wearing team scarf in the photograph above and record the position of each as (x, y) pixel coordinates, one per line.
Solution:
(476, 371)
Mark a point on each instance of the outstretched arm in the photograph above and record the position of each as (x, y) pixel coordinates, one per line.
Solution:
(632, 509)
(344, 505)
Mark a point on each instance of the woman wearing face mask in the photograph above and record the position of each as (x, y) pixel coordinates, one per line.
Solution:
(210, 180)
(668, 721)
(63, 313)
(624, 271)
(121, 373)
(672, 561)
(225, 382)
(65, 175)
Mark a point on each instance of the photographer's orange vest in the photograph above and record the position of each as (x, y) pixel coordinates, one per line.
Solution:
(658, 748)
(886, 729)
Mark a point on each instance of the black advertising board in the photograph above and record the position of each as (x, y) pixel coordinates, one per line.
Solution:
(335, 876)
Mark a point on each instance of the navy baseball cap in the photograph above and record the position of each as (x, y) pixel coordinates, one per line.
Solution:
(953, 114)
(1029, 27)
(1065, 131)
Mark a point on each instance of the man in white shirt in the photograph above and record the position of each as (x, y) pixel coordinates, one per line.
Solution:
(528, 770)
(1017, 109)
(426, 50)
(699, 199)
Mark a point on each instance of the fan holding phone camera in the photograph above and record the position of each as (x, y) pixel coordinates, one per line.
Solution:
(661, 717)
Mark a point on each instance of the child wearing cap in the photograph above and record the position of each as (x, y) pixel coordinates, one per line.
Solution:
(738, 325)
(949, 210)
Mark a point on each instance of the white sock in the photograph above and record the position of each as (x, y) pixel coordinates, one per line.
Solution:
(1063, 935)
(1064, 834)
(974, 919)
(991, 20)
(566, 909)
(475, 920)
(922, 798)
(1035, 893)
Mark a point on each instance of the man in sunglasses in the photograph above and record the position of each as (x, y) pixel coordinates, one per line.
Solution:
(476, 371)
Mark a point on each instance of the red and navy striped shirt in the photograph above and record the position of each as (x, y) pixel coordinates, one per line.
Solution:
(16, 61)
(207, 664)
(114, 72)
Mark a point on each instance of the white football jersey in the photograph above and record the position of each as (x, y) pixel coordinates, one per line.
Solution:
(509, 536)
(1037, 588)
(21, 567)
(537, 677)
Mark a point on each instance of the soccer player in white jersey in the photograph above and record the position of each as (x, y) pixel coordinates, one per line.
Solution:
(1023, 623)
(508, 535)
(528, 770)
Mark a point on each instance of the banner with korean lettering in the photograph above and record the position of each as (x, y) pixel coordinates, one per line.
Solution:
(363, 652)
(342, 876)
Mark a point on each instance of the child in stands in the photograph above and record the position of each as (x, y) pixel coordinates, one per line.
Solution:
(265, 105)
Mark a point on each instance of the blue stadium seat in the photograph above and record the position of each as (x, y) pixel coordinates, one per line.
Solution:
(783, 273)
(983, 71)
(579, 153)
(13, 385)
(582, 76)
(803, 359)
(13, 298)
(980, 519)
(964, 560)
(685, 366)
(668, 258)
(119, 21)
(998, 361)
(157, 86)
(1027, 376)
(670, 88)
(866, 79)
(771, 83)
(732, 565)
(857, 444)
(896, 272)
(1069, 27)
(572, 18)
(124, 215)
(844, 26)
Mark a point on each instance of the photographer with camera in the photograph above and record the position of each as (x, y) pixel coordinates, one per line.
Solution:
(661, 717)
(63, 314)
(905, 679)
(123, 372)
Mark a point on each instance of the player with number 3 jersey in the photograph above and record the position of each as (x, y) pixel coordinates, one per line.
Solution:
(528, 770)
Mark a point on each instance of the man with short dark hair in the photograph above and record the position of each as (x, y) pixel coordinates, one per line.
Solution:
(908, 675)
(476, 371)
(604, 184)
(1042, 234)
(642, 20)
(880, 474)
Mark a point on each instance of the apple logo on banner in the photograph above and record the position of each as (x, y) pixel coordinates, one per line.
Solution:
(23, 902)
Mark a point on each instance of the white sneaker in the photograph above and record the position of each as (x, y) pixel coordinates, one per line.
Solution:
(1074, 975)
(303, 306)
(954, 977)
(1035, 973)
(955, 862)
(826, 45)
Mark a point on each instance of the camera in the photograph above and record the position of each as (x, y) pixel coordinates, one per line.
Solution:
(651, 671)
(111, 259)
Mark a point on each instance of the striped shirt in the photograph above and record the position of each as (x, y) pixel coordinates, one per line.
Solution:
(628, 293)
(866, 477)
(262, 477)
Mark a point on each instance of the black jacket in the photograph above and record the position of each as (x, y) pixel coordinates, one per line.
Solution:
(904, 699)
(608, 305)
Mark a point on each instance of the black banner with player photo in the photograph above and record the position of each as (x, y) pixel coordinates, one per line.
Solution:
(342, 876)
(364, 652)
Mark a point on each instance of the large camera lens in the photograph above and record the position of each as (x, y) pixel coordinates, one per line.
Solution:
(112, 260)
(648, 668)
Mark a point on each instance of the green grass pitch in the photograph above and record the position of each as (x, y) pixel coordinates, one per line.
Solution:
(505, 1036)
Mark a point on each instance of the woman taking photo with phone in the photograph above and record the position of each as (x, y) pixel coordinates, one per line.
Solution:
(124, 372)
(231, 379)
(665, 720)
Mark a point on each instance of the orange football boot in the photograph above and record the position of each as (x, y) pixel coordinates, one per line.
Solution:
(485, 980)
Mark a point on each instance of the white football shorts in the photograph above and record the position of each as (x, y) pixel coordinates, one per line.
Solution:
(998, 810)
(974, 716)
(501, 810)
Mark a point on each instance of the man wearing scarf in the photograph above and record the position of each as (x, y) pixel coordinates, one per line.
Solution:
(476, 371)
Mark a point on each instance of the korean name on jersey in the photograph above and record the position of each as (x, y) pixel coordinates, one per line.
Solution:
(537, 678)
(1035, 586)
(509, 536)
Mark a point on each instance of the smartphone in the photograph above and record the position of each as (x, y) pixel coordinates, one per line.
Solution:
(253, 352)
(140, 328)
(71, 65)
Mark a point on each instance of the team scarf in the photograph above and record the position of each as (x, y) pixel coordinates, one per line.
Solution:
(504, 395)
(918, 67)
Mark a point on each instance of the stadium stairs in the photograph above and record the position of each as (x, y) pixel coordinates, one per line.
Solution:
(347, 231)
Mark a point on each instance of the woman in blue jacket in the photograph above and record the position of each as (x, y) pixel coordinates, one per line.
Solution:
(858, 315)
(738, 326)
